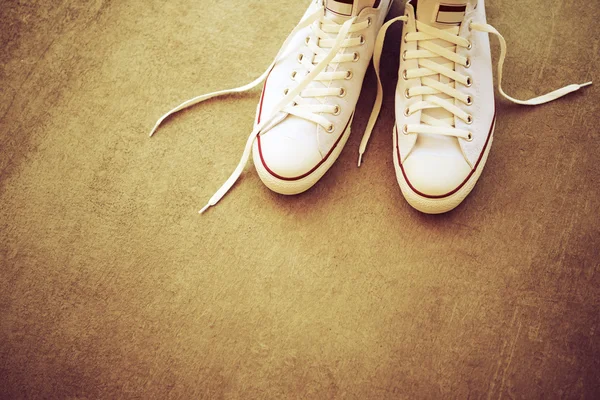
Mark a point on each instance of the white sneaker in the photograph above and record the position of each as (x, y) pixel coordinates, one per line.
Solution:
(445, 113)
(305, 112)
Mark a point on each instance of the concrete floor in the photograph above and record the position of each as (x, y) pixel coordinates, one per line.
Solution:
(112, 286)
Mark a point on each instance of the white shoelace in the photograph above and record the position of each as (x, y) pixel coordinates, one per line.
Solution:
(434, 91)
(296, 100)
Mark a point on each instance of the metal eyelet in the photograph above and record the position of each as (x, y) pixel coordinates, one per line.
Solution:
(342, 92)
(469, 81)
(468, 63)
(406, 94)
(404, 55)
(349, 75)
(369, 21)
(307, 40)
(469, 100)
(293, 75)
(405, 129)
(330, 128)
(300, 57)
(404, 38)
(406, 112)
(404, 75)
(337, 110)
(286, 91)
(362, 39)
(469, 137)
(469, 46)
(469, 119)
(470, 28)
(355, 57)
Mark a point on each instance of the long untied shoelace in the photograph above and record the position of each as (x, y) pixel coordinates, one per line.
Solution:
(294, 102)
(434, 91)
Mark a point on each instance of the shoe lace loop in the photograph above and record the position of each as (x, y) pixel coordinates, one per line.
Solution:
(326, 33)
(333, 38)
(435, 93)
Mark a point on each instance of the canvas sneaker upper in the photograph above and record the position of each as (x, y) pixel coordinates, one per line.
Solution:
(445, 96)
(311, 124)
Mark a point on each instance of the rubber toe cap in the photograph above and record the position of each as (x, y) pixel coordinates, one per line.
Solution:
(435, 173)
(288, 156)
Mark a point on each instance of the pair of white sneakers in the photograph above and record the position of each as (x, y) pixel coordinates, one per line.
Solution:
(445, 113)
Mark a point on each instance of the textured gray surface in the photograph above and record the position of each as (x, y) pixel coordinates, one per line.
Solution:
(111, 286)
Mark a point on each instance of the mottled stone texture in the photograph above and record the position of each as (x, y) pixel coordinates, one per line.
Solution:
(112, 286)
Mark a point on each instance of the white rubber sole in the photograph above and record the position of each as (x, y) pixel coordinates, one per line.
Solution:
(296, 186)
(429, 205)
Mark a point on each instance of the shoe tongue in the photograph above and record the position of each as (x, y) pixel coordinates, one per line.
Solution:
(347, 8)
(441, 13)
(446, 15)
